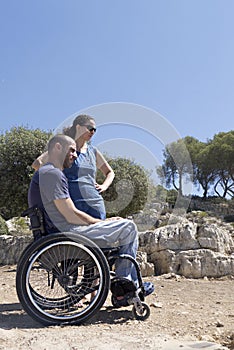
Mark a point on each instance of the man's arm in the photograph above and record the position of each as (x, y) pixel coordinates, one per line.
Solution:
(73, 216)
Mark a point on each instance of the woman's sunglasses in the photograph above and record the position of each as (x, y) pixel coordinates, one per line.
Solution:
(90, 128)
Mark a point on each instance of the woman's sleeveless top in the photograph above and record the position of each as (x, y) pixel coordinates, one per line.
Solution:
(81, 181)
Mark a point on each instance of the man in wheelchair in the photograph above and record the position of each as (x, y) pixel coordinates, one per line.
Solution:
(49, 192)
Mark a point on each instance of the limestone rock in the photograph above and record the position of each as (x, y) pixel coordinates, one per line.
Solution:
(147, 268)
(197, 246)
(11, 248)
(190, 249)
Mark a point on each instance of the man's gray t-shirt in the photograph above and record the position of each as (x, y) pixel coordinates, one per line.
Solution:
(48, 184)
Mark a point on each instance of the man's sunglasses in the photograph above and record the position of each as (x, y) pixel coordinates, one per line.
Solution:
(90, 128)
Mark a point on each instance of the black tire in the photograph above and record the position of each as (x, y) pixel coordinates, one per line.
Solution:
(144, 314)
(56, 273)
(115, 302)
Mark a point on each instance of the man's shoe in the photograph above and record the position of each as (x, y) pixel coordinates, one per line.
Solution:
(148, 288)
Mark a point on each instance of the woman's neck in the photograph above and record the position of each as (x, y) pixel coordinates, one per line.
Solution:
(81, 145)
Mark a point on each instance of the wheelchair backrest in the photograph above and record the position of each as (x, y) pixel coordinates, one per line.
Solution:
(36, 221)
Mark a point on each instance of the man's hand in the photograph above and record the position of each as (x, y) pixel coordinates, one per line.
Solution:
(114, 218)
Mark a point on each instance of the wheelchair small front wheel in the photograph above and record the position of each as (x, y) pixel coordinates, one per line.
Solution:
(141, 314)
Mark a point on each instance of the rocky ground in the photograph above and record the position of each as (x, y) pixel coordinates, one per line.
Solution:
(181, 310)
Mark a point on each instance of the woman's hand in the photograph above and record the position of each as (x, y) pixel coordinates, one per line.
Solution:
(101, 188)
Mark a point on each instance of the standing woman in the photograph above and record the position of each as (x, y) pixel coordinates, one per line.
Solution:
(84, 191)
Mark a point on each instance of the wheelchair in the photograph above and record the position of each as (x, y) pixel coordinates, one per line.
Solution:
(64, 278)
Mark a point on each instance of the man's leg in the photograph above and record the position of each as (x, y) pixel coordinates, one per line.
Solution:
(107, 234)
(124, 267)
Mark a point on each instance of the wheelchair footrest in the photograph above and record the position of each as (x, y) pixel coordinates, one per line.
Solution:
(122, 286)
(123, 291)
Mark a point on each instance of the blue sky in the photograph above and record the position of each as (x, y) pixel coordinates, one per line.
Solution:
(174, 57)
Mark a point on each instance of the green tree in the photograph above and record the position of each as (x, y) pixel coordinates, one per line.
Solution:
(159, 193)
(203, 168)
(212, 164)
(176, 169)
(129, 191)
(18, 148)
(222, 154)
(171, 197)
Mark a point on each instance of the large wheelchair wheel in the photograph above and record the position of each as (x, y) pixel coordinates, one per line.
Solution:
(56, 276)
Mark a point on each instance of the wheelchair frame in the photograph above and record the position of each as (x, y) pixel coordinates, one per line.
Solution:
(65, 278)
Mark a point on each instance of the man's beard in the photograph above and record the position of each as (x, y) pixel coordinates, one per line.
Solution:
(67, 163)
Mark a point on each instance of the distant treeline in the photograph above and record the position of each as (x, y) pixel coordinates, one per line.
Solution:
(208, 165)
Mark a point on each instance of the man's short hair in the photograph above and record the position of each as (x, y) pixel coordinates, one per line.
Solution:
(64, 141)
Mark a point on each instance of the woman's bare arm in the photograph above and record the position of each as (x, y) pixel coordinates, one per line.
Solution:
(41, 160)
(107, 171)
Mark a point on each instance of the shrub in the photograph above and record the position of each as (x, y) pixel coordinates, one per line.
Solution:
(3, 227)
(128, 193)
(18, 149)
